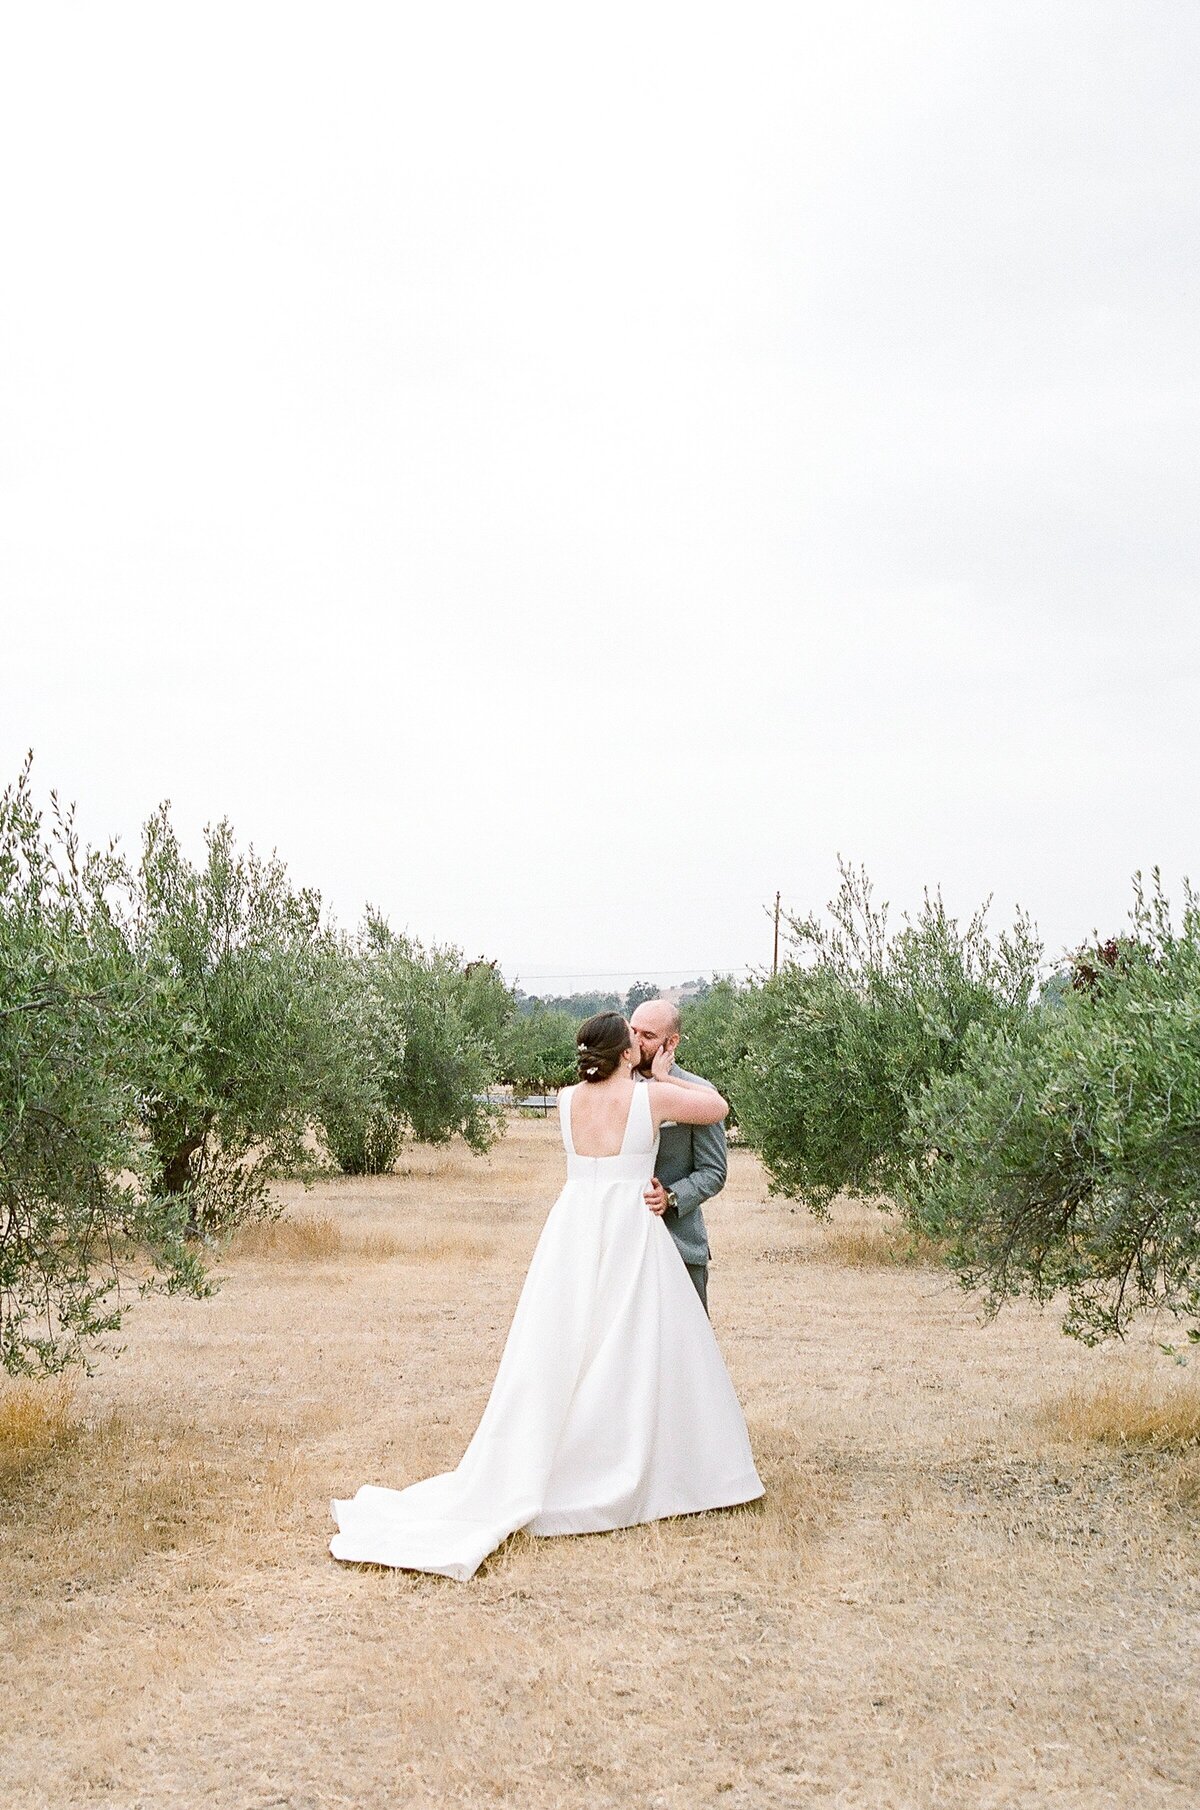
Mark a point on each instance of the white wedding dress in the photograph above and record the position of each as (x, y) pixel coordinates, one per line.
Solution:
(611, 1406)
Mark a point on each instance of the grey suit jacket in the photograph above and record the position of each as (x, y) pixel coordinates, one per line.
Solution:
(692, 1161)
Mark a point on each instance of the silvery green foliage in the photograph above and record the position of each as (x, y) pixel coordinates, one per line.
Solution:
(539, 1052)
(841, 1044)
(1068, 1142)
(226, 955)
(715, 1032)
(413, 1047)
(78, 1209)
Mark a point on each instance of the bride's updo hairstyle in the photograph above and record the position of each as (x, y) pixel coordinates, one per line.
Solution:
(601, 1042)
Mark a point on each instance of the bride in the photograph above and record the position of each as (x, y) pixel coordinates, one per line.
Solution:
(612, 1404)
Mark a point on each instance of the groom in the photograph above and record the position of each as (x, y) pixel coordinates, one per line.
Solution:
(691, 1158)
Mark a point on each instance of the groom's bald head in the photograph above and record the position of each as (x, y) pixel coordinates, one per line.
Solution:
(655, 1023)
(658, 1016)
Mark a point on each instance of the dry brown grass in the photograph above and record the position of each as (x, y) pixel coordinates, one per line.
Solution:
(860, 1247)
(35, 1419)
(316, 1238)
(960, 1593)
(1156, 1410)
(854, 1236)
(300, 1238)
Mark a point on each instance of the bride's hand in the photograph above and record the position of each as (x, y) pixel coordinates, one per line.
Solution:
(661, 1064)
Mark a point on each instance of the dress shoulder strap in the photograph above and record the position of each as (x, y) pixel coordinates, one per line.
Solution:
(564, 1119)
(639, 1131)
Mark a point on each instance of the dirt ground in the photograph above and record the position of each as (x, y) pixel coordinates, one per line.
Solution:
(961, 1589)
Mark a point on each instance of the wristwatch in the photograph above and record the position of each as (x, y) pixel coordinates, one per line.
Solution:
(671, 1197)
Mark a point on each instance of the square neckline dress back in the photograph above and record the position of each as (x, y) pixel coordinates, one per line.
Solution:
(611, 1406)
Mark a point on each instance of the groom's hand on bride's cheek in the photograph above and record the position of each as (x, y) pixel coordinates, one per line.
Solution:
(656, 1197)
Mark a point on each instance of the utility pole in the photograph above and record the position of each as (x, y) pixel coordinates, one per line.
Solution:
(775, 957)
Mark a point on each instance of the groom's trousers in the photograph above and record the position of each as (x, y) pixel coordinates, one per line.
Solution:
(699, 1274)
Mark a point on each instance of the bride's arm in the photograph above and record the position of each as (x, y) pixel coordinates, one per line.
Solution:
(687, 1102)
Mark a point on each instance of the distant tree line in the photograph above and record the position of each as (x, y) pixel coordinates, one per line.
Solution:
(583, 1005)
(578, 1005)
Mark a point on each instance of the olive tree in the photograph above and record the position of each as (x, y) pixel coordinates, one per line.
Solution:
(839, 1046)
(413, 1048)
(78, 1210)
(227, 956)
(539, 1053)
(487, 1002)
(1068, 1142)
(715, 1030)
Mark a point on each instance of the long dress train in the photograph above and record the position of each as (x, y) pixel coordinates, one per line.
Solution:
(611, 1406)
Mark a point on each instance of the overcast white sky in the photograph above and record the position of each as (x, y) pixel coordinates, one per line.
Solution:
(561, 473)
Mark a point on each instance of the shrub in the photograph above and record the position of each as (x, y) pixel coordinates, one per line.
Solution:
(1068, 1144)
(226, 957)
(75, 1207)
(539, 1052)
(840, 1045)
(715, 1036)
(412, 1048)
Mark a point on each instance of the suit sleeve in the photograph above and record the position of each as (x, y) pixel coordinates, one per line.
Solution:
(708, 1176)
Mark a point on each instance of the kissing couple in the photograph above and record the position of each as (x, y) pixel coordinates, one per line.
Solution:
(612, 1404)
